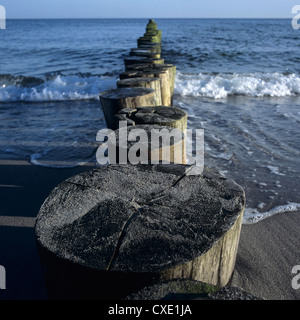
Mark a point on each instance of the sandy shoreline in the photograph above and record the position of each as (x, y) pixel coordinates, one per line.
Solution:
(267, 252)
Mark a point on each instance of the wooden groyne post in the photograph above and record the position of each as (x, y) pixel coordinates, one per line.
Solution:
(114, 230)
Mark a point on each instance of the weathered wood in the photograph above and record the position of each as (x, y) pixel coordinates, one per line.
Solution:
(151, 39)
(136, 60)
(152, 47)
(138, 66)
(141, 53)
(165, 116)
(154, 36)
(146, 82)
(150, 118)
(129, 74)
(114, 230)
(171, 69)
(162, 74)
(114, 100)
(157, 144)
(143, 41)
(151, 26)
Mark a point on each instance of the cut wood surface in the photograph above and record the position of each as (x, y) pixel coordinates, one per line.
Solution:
(137, 225)
(114, 100)
(146, 82)
(166, 116)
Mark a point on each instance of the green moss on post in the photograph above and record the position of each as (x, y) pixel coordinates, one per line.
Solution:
(142, 53)
(152, 32)
(151, 26)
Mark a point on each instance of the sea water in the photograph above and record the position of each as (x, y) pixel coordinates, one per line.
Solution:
(238, 79)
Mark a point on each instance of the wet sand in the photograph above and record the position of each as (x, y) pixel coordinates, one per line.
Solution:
(23, 189)
(267, 252)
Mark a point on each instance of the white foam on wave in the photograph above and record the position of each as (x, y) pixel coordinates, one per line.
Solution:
(275, 170)
(36, 159)
(252, 216)
(216, 86)
(59, 88)
(220, 86)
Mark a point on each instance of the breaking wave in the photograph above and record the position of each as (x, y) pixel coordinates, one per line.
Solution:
(85, 86)
(53, 88)
(220, 86)
(252, 216)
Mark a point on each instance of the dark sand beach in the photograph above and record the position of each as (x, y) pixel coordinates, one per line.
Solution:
(24, 187)
(267, 252)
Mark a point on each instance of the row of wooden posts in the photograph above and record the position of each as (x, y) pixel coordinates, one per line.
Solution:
(112, 231)
(144, 97)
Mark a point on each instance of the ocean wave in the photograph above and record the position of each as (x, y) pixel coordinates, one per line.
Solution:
(54, 88)
(37, 160)
(252, 216)
(220, 86)
(60, 87)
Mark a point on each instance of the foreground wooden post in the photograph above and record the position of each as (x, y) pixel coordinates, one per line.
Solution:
(149, 82)
(112, 231)
(114, 100)
(180, 289)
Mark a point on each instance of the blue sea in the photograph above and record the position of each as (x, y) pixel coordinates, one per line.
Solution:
(238, 79)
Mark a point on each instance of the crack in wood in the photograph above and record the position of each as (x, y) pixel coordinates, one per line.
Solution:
(137, 209)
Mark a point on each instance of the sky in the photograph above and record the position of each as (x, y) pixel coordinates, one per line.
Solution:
(25, 9)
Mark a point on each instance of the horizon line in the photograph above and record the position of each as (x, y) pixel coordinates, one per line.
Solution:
(245, 18)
